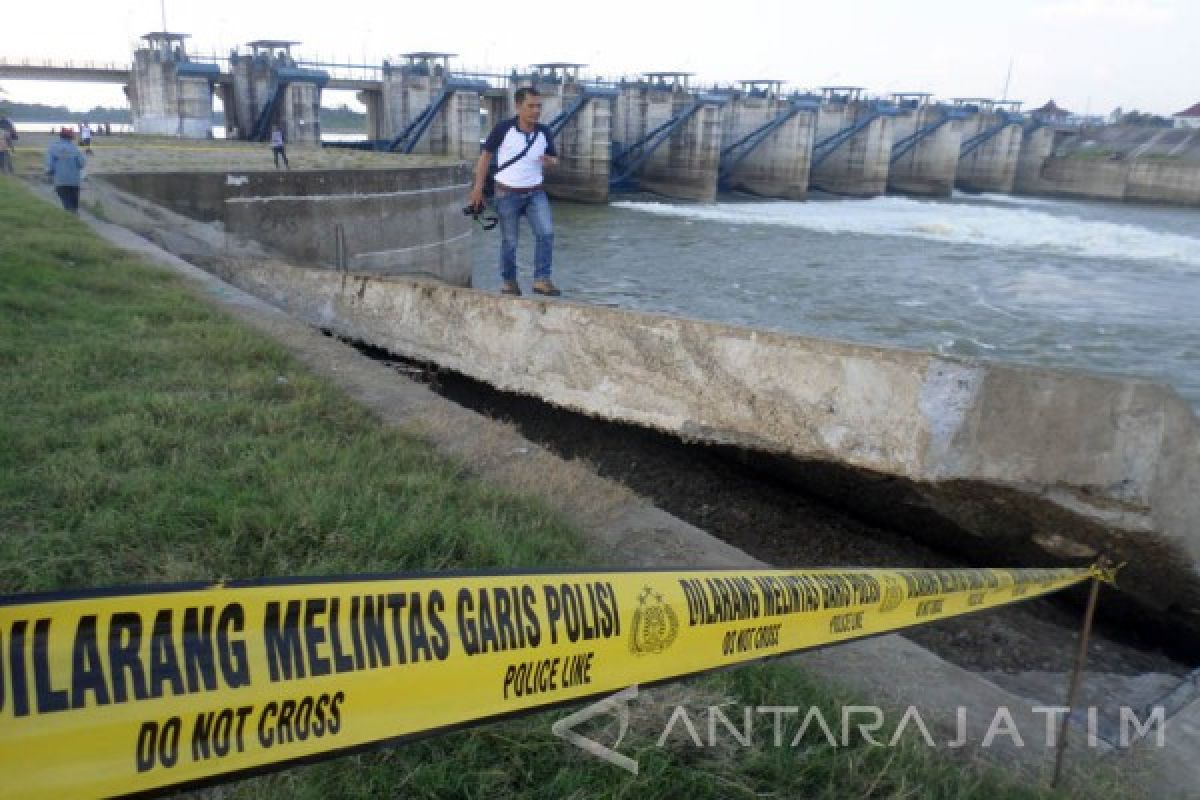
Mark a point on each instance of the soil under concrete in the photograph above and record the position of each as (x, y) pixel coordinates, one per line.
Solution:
(774, 522)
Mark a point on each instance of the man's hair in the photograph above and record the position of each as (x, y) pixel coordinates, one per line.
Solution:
(524, 92)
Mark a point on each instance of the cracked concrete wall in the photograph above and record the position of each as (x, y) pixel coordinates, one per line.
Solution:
(1056, 466)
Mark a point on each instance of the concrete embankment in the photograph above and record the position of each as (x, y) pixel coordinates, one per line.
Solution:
(359, 211)
(1004, 461)
(1149, 165)
(332, 217)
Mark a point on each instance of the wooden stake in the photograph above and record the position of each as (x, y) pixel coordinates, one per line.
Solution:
(1076, 680)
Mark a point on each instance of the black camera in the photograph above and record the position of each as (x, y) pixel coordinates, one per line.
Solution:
(480, 213)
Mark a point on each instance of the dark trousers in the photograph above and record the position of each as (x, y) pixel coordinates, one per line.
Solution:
(278, 152)
(70, 197)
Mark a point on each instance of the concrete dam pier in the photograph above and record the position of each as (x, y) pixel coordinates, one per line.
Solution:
(991, 146)
(854, 143)
(768, 140)
(667, 139)
(926, 140)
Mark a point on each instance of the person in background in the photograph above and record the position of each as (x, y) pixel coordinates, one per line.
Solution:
(277, 148)
(8, 138)
(85, 137)
(6, 150)
(64, 166)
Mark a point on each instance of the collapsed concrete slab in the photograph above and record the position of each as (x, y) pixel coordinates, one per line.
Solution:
(1012, 462)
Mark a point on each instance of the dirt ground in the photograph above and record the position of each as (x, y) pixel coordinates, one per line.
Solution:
(777, 524)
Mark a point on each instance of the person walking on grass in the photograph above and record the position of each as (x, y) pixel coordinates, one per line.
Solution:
(64, 166)
(277, 147)
(6, 152)
(522, 147)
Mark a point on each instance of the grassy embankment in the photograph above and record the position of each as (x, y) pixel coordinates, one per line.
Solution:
(146, 437)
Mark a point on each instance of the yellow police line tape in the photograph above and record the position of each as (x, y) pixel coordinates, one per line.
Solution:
(113, 692)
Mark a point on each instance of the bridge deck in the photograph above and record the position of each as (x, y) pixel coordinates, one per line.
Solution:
(113, 74)
(38, 72)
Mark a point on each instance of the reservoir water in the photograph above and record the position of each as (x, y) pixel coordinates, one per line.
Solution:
(1104, 287)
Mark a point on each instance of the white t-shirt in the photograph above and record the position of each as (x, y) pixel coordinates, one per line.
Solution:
(507, 140)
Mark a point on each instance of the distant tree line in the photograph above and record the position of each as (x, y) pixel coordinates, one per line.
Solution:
(37, 112)
(342, 118)
(1135, 117)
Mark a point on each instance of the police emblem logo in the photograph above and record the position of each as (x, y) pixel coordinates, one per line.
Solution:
(893, 594)
(655, 624)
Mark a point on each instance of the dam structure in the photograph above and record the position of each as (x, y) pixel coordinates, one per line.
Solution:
(171, 92)
(991, 145)
(666, 138)
(852, 153)
(767, 140)
(655, 132)
(926, 140)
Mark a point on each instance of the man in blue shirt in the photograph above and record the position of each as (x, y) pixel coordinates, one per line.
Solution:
(522, 147)
(64, 165)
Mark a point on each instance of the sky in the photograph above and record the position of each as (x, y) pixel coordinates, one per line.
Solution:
(1090, 56)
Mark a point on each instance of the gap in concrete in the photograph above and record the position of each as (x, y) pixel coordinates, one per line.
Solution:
(766, 506)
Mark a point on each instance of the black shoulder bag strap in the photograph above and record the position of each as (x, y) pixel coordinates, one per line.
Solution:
(529, 141)
(490, 186)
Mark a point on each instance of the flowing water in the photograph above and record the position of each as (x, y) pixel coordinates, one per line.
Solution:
(1103, 287)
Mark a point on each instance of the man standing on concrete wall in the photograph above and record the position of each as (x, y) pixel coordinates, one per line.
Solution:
(522, 147)
(64, 166)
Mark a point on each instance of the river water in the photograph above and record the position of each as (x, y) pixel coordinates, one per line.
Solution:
(1104, 287)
